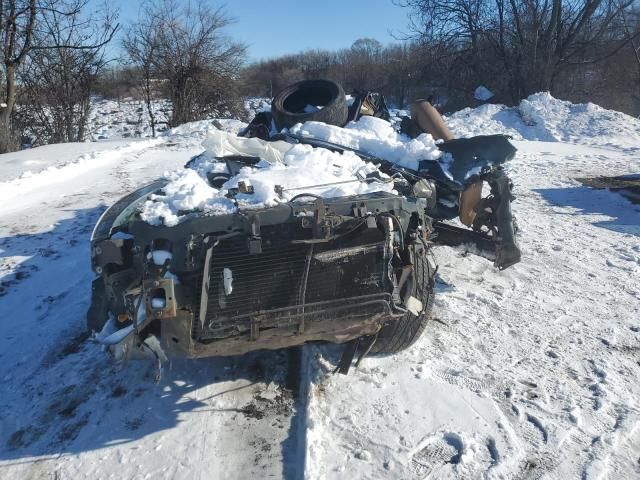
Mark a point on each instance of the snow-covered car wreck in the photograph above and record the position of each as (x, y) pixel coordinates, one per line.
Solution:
(315, 224)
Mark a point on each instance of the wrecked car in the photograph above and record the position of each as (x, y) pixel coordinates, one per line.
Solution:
(311, 261)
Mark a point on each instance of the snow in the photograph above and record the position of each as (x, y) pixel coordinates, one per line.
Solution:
(109, 119)
(526, 373)
(302, 169)
(160, 257)
(312, 108)
(542, 117)
(185, 192)
(376, 137)
(257, 104)
(128, 118)
(158, 303)
(15, 165)
(525, 369)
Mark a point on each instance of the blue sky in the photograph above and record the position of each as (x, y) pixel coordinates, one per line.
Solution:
(289, 26)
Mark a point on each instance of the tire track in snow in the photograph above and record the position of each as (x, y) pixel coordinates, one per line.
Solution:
(63, 173)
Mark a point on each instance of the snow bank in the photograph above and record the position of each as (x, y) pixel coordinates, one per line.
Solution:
(303, 169)
(579, 123)
(202, 127)
(375, 137)
(545, 118)
(488, 119)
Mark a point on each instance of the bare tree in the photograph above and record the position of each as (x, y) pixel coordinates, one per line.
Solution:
(17, 23)
(530, 41)
(62, 68)
(364, 57)
(198, 62)
(45, 33)
(631, 27)
(142, 44)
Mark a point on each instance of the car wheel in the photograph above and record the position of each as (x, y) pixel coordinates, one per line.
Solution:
(310, 100)
(400, 333)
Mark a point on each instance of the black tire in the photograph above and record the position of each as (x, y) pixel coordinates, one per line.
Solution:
(400, 333)
(288, 106)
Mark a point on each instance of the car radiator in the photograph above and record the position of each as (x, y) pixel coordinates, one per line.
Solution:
(289, 286)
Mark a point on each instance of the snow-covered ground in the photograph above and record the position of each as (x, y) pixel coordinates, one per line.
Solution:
(129, 118)
(526, 373)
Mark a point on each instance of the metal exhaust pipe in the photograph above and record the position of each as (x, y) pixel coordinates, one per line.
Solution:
(429, 120)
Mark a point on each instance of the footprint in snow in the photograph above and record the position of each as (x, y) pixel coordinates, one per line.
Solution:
(448, 448)
(437, 451)
(537, 424)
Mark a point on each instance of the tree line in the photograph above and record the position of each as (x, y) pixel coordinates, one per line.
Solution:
(581, 51)
(55, 54)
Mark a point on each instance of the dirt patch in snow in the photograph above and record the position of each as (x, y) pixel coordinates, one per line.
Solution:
(626, 185)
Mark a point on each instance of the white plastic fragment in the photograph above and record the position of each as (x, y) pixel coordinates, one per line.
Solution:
(414, 305)
(219, 144)
(227, 278)
(115, 337)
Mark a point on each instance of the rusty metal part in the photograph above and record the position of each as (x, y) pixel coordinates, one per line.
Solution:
(429, 120)
(469, 200)
(162, 288)
(177, 341)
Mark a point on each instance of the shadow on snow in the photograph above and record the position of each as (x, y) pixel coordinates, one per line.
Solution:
(625, 216)
(61, 394)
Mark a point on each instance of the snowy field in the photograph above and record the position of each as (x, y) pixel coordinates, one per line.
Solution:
(527, 373)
